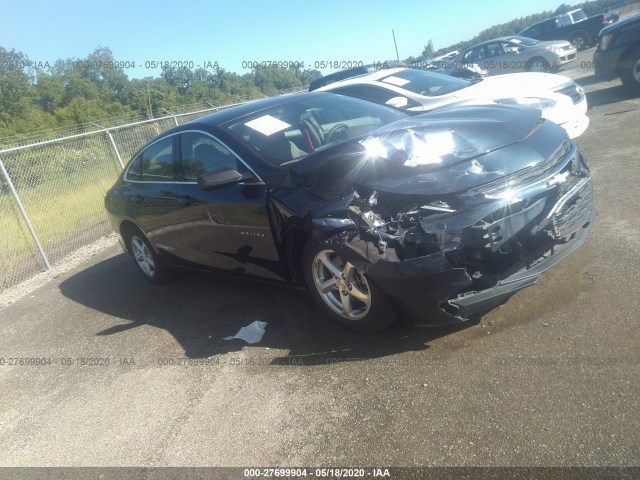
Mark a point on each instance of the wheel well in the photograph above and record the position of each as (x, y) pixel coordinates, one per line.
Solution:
(298, 241)
(582, 33)
(537, 57)
(631, 49)
(127, 229)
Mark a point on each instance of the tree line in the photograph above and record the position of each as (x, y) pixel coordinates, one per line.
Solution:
(74, 92)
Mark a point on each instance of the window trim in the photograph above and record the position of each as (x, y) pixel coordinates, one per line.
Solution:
(179, 161)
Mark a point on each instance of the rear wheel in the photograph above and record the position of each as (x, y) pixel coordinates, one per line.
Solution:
(344, 292)
(579, 41)
(630, 73)
(537, 64)
(146, 258)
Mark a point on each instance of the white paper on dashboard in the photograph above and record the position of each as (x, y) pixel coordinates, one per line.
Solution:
(267, 125)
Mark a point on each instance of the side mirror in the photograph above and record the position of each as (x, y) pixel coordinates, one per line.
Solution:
(220, 178)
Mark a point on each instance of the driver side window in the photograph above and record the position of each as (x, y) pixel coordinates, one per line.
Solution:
(200, 154)
(494, 50)
(471, 55)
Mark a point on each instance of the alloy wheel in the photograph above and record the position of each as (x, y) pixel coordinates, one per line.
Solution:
(143, 257)
(537, 66)
(341, 286)
(578, 42)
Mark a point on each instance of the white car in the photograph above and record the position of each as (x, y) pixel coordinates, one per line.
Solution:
(560, 99)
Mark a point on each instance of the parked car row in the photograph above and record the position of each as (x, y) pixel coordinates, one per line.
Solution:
(618, 52)
(574, 26)
(517, 54)
(417, 91)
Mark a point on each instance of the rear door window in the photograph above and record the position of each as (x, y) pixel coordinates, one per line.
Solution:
(157, 162)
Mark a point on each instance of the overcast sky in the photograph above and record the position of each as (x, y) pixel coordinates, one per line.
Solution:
(235, 31)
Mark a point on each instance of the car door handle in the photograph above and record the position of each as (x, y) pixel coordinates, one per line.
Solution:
(186, 200)
(136, 200)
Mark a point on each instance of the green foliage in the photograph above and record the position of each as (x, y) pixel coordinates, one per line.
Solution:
(15, 85)
(71, 92)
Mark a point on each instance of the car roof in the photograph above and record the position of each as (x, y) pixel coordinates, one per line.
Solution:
(365, 78)
(351, 73)
(340, 75)
(498, 39)
(239, 111)
(548, 20)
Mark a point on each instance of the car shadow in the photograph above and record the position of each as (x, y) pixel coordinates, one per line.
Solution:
(588, 80)
(200, 310)
(606, 96)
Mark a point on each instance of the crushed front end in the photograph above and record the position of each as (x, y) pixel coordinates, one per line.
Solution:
(449, 253)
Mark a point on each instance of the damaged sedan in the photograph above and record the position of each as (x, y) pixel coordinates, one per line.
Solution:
(442, 216)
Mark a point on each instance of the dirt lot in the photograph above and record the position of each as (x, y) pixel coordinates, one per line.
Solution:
(549, 379)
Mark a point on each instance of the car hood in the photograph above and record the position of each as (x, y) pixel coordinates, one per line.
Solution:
(447, 150)
(500, 86)
(553, 43)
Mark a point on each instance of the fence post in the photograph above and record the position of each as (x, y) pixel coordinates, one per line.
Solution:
(175, 120)
(115, 148)
(5, 174)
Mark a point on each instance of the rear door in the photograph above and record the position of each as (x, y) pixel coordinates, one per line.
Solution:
(151, 192)
(227, 228)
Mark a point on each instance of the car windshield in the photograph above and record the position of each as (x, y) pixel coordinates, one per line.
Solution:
(289, 132)
(429, 84)
(523, 40)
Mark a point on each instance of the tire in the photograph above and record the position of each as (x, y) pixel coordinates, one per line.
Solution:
(579, 40)
(149, 263)
(630, 72)
(537, 64)
(343, 292)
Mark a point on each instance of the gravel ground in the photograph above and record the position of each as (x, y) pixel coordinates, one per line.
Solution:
(78, 257)
(548, 379)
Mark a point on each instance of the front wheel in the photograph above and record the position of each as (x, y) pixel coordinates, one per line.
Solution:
(344, 292)
(630, 73)
(537, 64)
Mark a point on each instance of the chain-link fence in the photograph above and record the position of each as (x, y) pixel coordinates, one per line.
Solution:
(52, 192)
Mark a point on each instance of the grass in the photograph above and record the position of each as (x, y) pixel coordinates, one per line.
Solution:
(64, 214)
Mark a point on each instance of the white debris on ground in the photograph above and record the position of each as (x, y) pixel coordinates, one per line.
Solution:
(252, 333)
(69, 262)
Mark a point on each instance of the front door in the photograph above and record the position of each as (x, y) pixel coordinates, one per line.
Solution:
(227, 228)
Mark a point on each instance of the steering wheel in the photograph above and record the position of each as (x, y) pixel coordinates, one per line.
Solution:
(312, 126)
(339, 127)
